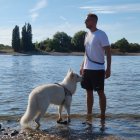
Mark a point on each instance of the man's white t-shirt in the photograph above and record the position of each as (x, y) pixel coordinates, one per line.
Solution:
(94, 43)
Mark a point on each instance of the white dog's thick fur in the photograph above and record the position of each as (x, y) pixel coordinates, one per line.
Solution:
(41, 97)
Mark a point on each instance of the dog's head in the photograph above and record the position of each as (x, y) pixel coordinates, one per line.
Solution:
(73, 76)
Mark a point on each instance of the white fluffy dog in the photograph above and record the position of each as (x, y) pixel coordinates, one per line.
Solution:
(41, 97)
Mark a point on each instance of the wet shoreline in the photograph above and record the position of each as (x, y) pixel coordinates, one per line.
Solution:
(76, 130)
(116, 127)
(62, 132)
(64, 135)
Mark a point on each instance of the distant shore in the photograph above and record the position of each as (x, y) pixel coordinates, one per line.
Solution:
(11, 52)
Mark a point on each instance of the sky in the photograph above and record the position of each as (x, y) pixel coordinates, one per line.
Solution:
(118, 18)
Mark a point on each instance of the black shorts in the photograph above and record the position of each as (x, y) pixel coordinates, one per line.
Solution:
(93, 80)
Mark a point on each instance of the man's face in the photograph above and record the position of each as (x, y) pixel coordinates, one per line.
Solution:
(90, 22)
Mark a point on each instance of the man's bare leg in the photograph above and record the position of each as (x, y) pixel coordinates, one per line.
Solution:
(90, 101)
(102, 102)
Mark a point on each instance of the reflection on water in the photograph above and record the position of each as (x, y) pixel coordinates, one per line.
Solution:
(20, 74)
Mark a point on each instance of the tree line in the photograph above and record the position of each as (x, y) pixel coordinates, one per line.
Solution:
(124, 46)
(23, 44)
(60, 42)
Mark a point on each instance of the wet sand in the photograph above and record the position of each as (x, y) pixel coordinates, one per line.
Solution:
(55, 134)
(50, 130)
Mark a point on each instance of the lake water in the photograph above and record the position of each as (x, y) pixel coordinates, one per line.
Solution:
(20, 74)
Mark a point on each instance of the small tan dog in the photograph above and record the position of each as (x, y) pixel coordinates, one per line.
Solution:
(42, 96)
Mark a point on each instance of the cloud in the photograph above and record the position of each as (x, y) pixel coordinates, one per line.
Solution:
(41, 4)
(34, 12)
(65, 23)
(34, 16)
(63, 18)
(110, 9)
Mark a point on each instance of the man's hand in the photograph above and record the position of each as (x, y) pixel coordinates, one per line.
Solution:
(81, 71)
(107, 73)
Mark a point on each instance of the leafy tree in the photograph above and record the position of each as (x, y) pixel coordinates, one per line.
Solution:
(2, 46)
(123, 45)
(27, 38)
(50, 45)
(42, 46)
(114, 46)
(24, 38)
(78, 41)
(134, 47)
(16, 39)
(62, 42)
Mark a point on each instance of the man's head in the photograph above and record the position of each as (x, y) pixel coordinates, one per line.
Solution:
(91, 21)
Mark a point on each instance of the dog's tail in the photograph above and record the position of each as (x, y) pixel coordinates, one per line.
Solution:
(30, 113)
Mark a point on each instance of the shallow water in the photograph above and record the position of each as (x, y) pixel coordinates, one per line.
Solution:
(20, 74)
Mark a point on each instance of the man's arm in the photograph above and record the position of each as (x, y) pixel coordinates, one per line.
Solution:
(82, 65)
(108, 57)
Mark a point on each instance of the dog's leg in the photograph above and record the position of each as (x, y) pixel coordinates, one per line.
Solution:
(40, 114)
(60, 113)
(37, 121)
(68, 113)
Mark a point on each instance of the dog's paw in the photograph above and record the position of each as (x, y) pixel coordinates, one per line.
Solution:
(59, 120)
(63, 122)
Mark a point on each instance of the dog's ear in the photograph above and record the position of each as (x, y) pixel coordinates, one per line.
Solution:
(71, 74)
(70, 70)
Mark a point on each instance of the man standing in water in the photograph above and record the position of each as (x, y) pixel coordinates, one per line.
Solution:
(93, 68)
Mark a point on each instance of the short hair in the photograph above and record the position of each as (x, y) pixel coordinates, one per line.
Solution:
(91, 15)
